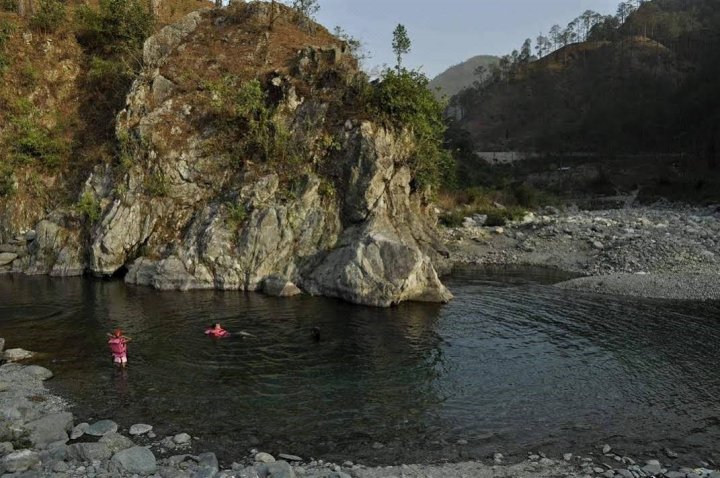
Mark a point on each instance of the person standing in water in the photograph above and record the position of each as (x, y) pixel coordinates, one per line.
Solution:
(118, 347)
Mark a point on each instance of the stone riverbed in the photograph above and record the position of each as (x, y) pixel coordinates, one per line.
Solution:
(663, 251)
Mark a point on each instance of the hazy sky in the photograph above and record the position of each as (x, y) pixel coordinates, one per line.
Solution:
(447, 32)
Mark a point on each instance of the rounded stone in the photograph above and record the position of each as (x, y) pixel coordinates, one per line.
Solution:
(20, 460)
(181, 439)
(13, 355)
(263, 457)
(116, 442)
(140, 429)
(137, 459)
(79, 430)
(101, 428)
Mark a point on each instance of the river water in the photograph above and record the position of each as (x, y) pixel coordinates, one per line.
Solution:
(511, 365)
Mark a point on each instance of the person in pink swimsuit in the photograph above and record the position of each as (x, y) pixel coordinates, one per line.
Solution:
(217, 332)
(118, 347)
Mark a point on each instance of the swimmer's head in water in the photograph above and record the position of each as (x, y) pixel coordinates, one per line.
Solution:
(118, 332)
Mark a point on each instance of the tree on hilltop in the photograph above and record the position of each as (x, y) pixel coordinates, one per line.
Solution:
(401, 44)
(307, 8)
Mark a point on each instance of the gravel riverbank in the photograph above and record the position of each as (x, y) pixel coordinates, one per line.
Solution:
(671, 252)
(39, 438)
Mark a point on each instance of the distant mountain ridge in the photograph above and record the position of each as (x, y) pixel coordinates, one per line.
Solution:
(460, 76)
(647, 83)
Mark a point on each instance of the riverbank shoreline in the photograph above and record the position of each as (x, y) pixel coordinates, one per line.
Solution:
(668, 252)
(39, 438)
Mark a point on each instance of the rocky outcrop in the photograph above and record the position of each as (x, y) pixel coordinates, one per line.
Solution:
(182, 216)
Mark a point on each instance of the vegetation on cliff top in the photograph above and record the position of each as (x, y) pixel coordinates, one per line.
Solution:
(79, 83)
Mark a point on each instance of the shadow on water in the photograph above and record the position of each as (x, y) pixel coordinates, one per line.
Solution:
(511, 365)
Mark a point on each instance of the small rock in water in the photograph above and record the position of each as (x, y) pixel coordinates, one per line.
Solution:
(462, 442)
(181, 439)
(263, 457)
(14, 355)
(670, 453)
(101, 427)
(498, 458)
(598, 245)
(599, 470)
(151, 434)
(534, 457)
(606, 449)
(79, 430)
(140, 429)
(292, 457)
(567, 456)
(609, 474)
(377, 445)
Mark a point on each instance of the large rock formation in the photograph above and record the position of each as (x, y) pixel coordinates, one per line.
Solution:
(178, 214)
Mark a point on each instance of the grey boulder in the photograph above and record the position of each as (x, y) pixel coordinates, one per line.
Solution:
(79, 430)
(89, 451)
(137, 459)
(50, 428)
(208, 466)
(101, 428)
(7, 257)
(116, 442)
(278, 287)
(14, 355)
(140, 429)
(36, 371)
(280, 469)
(20, 460)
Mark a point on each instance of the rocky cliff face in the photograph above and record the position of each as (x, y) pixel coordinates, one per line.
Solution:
(178, 213)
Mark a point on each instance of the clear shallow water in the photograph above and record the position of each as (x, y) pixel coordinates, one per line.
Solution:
(511, 365)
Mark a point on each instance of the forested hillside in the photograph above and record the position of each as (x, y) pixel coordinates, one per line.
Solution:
(463, 75)
(644, 80)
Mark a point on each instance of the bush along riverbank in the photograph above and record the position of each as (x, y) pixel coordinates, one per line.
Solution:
(664, 251)
(39, 438)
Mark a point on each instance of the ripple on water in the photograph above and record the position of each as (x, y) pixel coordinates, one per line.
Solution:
(512, 364)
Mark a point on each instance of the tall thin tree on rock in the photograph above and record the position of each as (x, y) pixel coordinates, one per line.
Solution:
(401, 44)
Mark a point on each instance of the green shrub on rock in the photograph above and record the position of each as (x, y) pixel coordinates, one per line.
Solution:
(33, 143)
(247, 127)
(401, 99)
(89, 207)
(50, 16)
(117, 28)
(7, 180)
